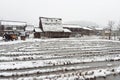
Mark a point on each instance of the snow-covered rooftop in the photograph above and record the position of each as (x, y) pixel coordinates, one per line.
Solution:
(37, 29)
(29, 28)
(72, 26)
(53, 28)
(86, 28)
(67, 30)
(99, 28)
(76, 26)
(17, 23)
(51, 24)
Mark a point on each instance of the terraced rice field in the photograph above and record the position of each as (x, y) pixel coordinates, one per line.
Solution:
(59, 59)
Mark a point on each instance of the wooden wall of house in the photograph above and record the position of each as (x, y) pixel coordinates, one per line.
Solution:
(37, 35)
(56, 34)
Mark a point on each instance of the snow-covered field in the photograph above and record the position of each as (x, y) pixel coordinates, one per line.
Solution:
(59, 59)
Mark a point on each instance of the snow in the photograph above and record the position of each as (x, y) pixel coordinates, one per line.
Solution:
(67, 30)
(76, 26)
(13, 23)
(52, 28)
(38, 70)
(37, 29)
(29, 28)
(51, 24)
(40, 56)
(1, 38)
(99, 28)
(72, 26)
(86, 28)
(11, 42)
(91, 74)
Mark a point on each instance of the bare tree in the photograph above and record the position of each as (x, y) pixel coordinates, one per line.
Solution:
(118, 26)
(110, 24)
(118, 30)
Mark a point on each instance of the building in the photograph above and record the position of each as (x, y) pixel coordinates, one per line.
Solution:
(99, 31)
(37, 32)
(78, 31)
(29, 30)
(106, 33)
(11, 26)
(52, 28)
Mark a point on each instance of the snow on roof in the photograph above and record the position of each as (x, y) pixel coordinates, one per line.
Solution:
(99, 28)
(76, 26)
(72, 26)
(51, 24)
(29, 28)
(107, 31)
(67, 30)
(53, 28)
(17, 23)
(86, 28)
(37, 29)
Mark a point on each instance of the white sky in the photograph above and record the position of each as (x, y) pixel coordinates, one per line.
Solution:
(99, 11)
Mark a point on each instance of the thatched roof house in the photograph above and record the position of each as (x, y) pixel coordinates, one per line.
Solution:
(52, 27)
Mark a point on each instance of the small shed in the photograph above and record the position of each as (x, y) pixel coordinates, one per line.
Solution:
(67, 33)
(37, 32)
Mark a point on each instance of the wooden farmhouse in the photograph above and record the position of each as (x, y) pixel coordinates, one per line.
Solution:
(53, 28)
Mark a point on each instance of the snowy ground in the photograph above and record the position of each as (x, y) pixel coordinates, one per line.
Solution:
(59, 59)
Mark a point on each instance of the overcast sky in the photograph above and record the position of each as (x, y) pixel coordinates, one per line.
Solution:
(99, 11)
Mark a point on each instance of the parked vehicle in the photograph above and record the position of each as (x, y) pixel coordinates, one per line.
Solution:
(10, 36)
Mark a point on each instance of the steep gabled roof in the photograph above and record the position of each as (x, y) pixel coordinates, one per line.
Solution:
(51, 24)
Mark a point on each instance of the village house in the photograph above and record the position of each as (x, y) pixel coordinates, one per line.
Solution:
(99, 31)
(78, 31)
(106, 33)
(7, 26)
(37, 32)
(53, 28)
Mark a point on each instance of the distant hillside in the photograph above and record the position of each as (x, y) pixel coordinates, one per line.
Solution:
(82, 23)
